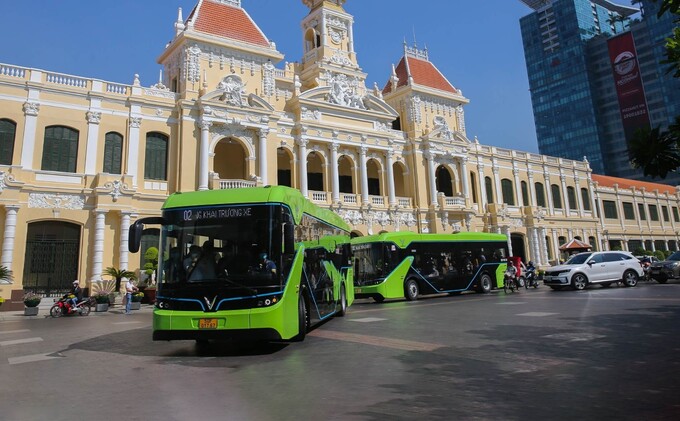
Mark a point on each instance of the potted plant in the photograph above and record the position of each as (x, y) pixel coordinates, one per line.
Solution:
(150, 270)
(118, 275)
(5, 275)
(31, 302)
(136, 302)
(102, 300)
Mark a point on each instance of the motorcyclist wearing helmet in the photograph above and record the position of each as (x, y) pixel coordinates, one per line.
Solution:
(75, 295)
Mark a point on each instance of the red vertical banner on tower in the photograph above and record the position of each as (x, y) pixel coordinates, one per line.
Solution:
(629, 88)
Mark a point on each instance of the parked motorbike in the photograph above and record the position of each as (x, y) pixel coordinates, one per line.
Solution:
(63, 307)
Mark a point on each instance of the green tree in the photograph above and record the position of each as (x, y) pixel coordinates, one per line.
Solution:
(5, 275)
(151, 257)
(119, 274)
(655, 151)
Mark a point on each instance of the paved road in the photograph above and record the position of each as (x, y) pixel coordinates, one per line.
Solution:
(539, 354)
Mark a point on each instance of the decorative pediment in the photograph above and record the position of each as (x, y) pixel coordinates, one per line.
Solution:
(370, 102)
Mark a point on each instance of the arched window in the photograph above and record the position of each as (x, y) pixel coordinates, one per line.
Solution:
(557, 198)
(540, 195)
(525, 193)
(444, 183)
(571, 196)
(586, 199)
(508, 192)
(489, 189)
(60, 149)
(113, 153)
(8, 130)
(156, 158)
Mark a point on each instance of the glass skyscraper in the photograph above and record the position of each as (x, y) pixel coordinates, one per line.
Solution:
(573, 91)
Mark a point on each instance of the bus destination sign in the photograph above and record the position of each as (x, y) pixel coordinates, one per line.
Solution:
(216, 213)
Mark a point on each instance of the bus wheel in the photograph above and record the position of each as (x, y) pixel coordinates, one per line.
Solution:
(343, 302)
(484, 285)
(303, 320)
(411, 290)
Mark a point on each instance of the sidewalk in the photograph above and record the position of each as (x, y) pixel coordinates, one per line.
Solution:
(45, 305)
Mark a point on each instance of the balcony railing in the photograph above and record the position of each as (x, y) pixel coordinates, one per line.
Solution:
(236, 184)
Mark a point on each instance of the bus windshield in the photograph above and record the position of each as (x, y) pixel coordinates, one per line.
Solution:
(373, 261)
(236, 246)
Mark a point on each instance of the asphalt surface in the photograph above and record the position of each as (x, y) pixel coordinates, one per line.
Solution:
(603, 353)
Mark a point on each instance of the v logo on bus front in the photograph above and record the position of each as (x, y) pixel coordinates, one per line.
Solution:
(209, 303)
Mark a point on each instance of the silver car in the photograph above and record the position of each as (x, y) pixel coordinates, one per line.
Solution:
(666, 269)
(603, 267)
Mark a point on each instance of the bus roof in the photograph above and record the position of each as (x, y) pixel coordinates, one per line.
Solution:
(403, 239)
(297, 203)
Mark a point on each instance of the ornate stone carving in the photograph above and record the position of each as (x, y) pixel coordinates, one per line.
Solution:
(94, 117)
(116, 187)
(233, 90)
(414, 110)
(193, 63)
(4, 178)
(55, 201)
(340, 57)
(135, 122)
(344, 91)
(31, 108)
(310, 114)
(352, 217)
(268, 83)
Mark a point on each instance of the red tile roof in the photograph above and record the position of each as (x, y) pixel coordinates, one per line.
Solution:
(222, 20)
(423, 72)
(624, 183)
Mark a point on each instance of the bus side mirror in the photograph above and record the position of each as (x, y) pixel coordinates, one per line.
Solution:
(288, 238)
(136, 230)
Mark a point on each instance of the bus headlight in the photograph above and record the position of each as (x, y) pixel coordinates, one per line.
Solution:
(267, 302)
(163, 305)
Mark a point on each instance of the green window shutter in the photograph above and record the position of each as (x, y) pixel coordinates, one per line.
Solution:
(7, 134)
(557, 198)
(508, 192)
(60, 149)
(571, 195)
(489, 190)
(540, 195)
(155, 161)
(113, 153)
(586, 199)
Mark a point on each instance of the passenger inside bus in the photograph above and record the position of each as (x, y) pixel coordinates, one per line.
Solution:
(198, 265)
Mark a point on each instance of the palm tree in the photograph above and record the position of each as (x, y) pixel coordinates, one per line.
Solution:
(119, 274)
(5, 275)
(656, 152)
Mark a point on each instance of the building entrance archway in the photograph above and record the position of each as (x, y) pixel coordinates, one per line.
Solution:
(52, 257)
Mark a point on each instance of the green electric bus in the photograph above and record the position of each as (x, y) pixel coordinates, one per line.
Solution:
(406, 264)
(260, 263)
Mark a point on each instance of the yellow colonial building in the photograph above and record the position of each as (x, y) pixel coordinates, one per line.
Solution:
(82, 158)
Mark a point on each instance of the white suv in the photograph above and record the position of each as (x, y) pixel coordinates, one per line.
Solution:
(600, 267)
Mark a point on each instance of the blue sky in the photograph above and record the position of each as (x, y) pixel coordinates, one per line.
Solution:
(476, 44)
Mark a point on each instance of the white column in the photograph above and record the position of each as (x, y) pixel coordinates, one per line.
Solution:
(548, 193)
(432, 176)
(591, 190)
(364, 174)
(579, 199)
(204, 154)
(93, 119)
(31, 110)
(544, 245)
(537, 248)
(262, 133)
(482, 187)
(506, 232)
(9, 235)
(565, 196)
(124, 246)
(302, 143)
(497, 184)
(392, 198)
(519, 200)
(532, 188)
(555, 243)
(133, 149)
(335, 173)
(98, 255)
(466, 180)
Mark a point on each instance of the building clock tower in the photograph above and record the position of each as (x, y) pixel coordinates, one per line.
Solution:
(329, 54)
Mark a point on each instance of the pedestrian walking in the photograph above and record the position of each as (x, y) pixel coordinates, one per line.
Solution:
(130, 288)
